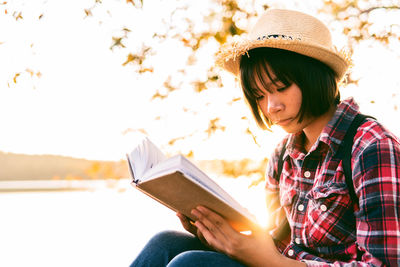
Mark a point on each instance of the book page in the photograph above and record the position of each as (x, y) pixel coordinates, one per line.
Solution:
(144, 157)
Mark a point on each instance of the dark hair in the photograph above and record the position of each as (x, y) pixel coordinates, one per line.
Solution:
(316, 80)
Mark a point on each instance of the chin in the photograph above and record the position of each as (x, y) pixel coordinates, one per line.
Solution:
(292, 130)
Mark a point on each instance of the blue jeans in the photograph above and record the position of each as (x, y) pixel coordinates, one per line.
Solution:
(177, 249)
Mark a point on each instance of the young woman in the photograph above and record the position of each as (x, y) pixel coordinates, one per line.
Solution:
(289, 73)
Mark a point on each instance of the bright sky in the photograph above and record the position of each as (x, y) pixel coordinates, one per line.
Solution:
(85, 99)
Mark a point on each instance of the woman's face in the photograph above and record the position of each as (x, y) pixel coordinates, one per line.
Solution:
(280, 103)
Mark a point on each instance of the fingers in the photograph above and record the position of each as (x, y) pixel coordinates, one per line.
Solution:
(201, 237)
(213, 221)
(187, 225)
(209, 237)
(191, 228)
(215, 229)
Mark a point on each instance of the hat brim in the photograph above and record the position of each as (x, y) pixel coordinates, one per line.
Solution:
(230, 55)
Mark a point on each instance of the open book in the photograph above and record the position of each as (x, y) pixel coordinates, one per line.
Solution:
(180, 185)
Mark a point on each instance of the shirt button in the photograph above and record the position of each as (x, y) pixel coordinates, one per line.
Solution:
(323, 207)
(307, 174)
(290, 252)
(297, 240)
(300, 207)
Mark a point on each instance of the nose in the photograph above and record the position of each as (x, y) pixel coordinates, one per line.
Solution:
(274, 104)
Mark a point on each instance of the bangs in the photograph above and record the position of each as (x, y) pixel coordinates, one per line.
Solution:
(255, 68)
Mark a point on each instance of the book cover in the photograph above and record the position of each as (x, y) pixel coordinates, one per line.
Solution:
(181, 186)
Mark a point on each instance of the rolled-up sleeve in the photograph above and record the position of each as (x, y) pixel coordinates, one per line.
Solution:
(376, 175)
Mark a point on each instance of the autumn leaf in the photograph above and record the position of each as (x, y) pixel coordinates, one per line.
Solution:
(129, 59)
(190, 154)
(30, 72)
(17, 16)
(16, 76)
(133, 2)
(174, 140)
(131, 130)
(199, 86)
(117, 42)
(214, 126)
(158, 95)
(88, 12)
(143, 70)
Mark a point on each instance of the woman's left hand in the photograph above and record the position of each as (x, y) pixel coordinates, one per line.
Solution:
(255, 249)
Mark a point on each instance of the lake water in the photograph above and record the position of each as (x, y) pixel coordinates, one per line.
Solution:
(106, 226)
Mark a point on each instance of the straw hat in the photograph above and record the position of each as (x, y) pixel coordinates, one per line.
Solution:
(289, 30)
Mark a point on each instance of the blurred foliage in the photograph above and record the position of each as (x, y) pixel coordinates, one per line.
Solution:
(359, 21)
(20, 167)
(223, 20)
(354, 17)
(107, 170)
(250, 168)
(245, 167)
(99, 170)
(231, 18)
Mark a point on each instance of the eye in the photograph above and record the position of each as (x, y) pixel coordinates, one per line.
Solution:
(281, 89)
(258, 96)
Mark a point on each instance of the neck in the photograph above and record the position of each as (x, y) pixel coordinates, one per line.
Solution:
(314, 129)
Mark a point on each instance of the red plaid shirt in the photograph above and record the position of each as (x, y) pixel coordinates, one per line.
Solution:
(327, 229)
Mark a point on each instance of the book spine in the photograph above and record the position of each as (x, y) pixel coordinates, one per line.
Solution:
(136, 181)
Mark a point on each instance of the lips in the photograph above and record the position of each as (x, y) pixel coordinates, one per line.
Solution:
(283, 122)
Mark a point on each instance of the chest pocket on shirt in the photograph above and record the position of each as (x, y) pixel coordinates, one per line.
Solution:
(288, 196)
(330, 215)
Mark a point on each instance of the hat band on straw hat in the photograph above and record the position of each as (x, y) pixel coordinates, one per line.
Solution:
(288, 30)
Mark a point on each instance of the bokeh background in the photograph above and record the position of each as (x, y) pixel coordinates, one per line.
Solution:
(81, 82)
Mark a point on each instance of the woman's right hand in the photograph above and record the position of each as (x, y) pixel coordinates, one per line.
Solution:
(191, 228)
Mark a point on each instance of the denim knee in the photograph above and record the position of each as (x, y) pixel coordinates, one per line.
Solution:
(164, 246)
(187, 259)
(198, 258)
(164, 239)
